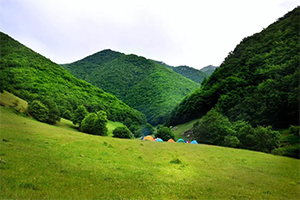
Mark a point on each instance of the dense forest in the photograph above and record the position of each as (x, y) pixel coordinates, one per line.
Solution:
(141, 83)
(258, 82)
(31, 76)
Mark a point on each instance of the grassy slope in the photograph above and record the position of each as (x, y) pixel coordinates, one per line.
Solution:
(48, 162)
(8, 99)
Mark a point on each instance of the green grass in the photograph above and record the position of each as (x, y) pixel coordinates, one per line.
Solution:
(39, 161)
(8, 99)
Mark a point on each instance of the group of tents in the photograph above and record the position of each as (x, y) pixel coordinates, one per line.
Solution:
(150, 138)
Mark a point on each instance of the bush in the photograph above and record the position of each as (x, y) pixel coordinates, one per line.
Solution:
(100, 123)
(165, 133)
(38, 111)
(212, 128)
(95, 123)
(266, 139)
(87, 124)
(122, 132)
(79, 115)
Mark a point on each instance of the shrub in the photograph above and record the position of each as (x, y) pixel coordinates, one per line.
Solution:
(38, 111)
(100, 123)
(95, 123)
(87, 124)
(122, 132)
(79, 115)
(212, 128)
(165, 133)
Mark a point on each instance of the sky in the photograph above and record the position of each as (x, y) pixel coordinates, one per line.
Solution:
(195, 33)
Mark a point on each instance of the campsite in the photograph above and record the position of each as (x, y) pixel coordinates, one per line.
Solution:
(149, 100)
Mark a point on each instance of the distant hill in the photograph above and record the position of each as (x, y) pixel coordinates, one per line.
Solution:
(141, 83)
(209, 69)
(30, 76)
(191, 73)
(258, 82)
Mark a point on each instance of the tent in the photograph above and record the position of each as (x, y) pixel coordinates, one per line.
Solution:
(194, 142)
(148, 138)
(181, 140)
(171, 140)
(158, 140)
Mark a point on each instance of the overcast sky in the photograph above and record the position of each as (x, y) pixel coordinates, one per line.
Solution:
(196, 33)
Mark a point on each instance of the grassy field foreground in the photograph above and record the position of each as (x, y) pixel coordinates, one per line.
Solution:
(39, 161)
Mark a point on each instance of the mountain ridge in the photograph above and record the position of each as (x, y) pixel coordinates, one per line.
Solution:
(142, 83)
(30, 75)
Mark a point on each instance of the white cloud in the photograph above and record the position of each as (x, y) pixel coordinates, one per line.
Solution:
(194, 33)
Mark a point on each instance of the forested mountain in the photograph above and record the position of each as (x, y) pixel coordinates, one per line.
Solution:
(191, 73)
(31, 76)
(209, 69)
(141, 83)
(258, 82)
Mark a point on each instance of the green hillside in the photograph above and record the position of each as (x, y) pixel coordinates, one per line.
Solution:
(31, 76)
(258, 82)
(141, 83)
(39, 161)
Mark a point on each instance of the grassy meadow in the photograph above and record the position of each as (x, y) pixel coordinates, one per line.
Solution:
(40, 161)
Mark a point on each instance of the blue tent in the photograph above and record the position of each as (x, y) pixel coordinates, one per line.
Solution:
(159, 140)
(194, 142)
(181, 140)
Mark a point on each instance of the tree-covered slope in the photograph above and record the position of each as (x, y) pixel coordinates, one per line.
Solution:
(141, 83)
(257, 82)
(29, 75)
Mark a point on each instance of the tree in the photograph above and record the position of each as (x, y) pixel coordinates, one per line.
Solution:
(39, 111)
(79, 115)
(165, 133)
(95, 123)
(266, 139)
(100, 123)
(87, 124)
(212, 128)
(54, 114)
(122, 132)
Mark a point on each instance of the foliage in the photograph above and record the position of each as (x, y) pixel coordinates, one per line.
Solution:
(38, 110)
(87, 124)
(95, 123)
(44, 110)
(122, 132)
(141, 83)
(289, 143)
(100, 123)
(79, 115)
(258, 82)
(165, 133)
(31, 76)
(215, 128)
